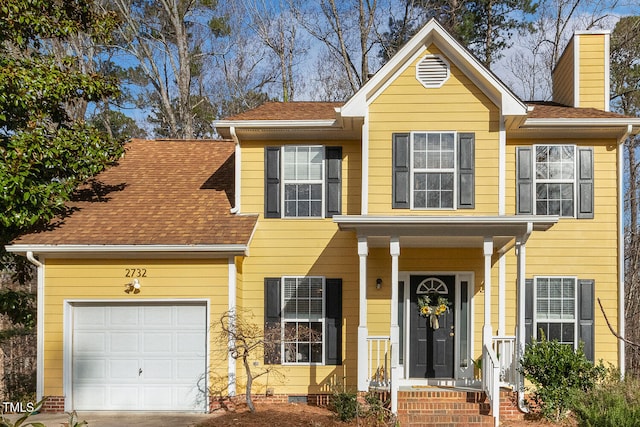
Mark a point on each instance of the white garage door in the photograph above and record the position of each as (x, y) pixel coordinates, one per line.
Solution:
(139, 357)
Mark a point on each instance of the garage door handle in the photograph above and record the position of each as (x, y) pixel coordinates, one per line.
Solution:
(139, 371)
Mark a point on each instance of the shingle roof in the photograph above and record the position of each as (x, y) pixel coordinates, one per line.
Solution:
(290, 111)
(160, 193)
(557, 111)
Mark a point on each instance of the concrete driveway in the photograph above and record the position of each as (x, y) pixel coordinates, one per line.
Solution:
(121, 419)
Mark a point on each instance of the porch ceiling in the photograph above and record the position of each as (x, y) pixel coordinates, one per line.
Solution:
(443, 231)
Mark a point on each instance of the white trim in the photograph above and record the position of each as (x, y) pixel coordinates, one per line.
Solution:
(440, 60)
(67, 335)
(238, 249)
(577, 123)
(574, 321)
(621, 277)
(607, 71)
(502, 165)
(502, 298)
(238, 171)
(298, 181)
(364, 201)
(576, 71)
(231, 367)
(434, 33)
(282, 124)
(363, 331)
(40, 307)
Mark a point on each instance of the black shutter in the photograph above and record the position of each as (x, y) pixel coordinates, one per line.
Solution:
(333, 322)
(466, 170)
(529, 303)
(586, 295)
(333, 173)
(272, 325)
(272, 182)
(400, 179)
(585, 182)
(524, 178)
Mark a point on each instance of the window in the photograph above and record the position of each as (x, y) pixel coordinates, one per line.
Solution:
(556, 308)
(433, 170)
(303, 181)
(562, 307)
(555, 180)
(303, 319)
(305, 313)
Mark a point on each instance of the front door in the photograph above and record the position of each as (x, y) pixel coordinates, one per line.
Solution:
(431, 343)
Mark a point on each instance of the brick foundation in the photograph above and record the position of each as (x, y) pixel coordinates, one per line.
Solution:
(229, 403)
(53, 404)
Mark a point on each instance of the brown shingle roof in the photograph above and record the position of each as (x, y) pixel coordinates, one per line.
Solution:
(557, 111)
(160, 193)
(290, 111)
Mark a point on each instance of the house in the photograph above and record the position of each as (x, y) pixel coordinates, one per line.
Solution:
(433, 181)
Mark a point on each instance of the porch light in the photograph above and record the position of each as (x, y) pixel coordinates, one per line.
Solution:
(132, 287)
(378, 283)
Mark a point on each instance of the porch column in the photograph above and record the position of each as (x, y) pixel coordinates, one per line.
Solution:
(363, 331)
(487, 330)
(521, 252)
(394, 248)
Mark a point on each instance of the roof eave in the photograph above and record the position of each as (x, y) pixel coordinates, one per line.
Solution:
(216, 251)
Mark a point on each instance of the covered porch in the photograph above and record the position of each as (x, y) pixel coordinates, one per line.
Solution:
(416, 352)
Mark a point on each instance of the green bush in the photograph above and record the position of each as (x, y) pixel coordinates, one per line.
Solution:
(345, 404)
(612, 403)
(559, 374)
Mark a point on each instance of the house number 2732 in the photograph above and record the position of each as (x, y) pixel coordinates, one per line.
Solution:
(135, 272)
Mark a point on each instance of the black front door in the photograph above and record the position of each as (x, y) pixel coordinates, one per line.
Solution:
(431, 351)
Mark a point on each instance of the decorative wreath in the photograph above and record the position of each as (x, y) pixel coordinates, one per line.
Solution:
(432, 307)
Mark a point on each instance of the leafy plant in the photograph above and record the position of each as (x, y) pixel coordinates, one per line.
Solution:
(73, 420)
(558, 374)
(345, 404)
(612, 403)
(20, 422)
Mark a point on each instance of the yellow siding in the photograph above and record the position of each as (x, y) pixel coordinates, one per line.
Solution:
(563, 78)
(592, 71)
(407, 106)
(585, 248)
(252, 194)
(92, 279)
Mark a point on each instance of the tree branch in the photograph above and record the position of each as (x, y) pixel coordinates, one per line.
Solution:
(615, 334)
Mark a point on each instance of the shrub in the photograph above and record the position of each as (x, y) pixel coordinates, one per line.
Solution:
(612, 403)
(345, 404)
(558, 374)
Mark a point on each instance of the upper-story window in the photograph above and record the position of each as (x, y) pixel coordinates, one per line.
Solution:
(555, 180)
(433, 170)
(302, 181)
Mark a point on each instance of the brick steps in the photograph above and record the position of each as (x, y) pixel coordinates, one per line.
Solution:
(443, 408)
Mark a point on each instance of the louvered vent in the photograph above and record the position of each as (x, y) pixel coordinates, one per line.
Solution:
(432, 71)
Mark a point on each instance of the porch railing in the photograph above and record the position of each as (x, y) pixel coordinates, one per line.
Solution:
(491, 381)
(504, 348)
(379, 361)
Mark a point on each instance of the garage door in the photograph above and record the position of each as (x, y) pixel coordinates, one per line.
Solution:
(139, 357)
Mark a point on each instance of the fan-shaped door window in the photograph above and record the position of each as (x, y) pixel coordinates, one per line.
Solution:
(432, 285)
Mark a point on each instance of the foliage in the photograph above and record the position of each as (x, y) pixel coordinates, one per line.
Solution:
(20, 422)
(46, 153)
(73, 420)
(558, 374)
(485, 27)
(378, 412)
(345, 404)
(19, 307)
(612, 403)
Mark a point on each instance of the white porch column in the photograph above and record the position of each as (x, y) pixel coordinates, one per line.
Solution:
(487, 331)
(395, 329)
(363, 331)
(521, 251)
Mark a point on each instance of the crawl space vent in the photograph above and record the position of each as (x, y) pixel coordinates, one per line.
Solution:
(432, 71)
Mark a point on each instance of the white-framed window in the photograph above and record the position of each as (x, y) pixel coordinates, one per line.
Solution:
(555, 309)
(555, 180)
(303, 180)
(303, 319)
(433, 170)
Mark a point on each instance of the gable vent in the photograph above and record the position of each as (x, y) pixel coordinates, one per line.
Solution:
(432, 71)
